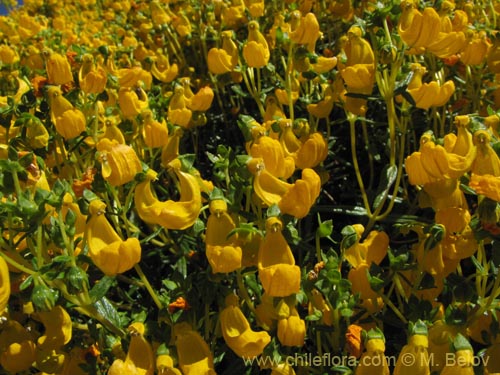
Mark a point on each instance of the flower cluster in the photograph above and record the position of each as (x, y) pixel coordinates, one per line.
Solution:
(198, 187)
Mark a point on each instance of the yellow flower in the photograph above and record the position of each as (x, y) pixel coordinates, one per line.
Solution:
(170, 151)
(165, 365)
(430, 94)
(58, 328)
(37, 134)
(4, 284)
(219, 61)
(140, 358)
(222, 252)
(256, 50)
(282, 369)
(305, 30)
(16, 347)
(132, 102)
(317, 301)
(162, 70)
(324, 64)
(58, 69)
(170, 214)
(178, 112)
(476, 48)
(493, 57)
(462, 363)
(202, 100)
(271, 152)
(237, 332)
(418, 29)
(132, 77)
(255, 7)
(359, 73)
(92, 79)
(360, 256)
(107, 250)
(416, 349)
(486, 185)
(8, 55)
(292, 329)
(312, 152)
(373, 360)
(69, 121)
(440, 336)
(119, 162)
(193, 352)
(294, 199)
(154, 133)
(299, 199)
(279, 275)
(487, 161)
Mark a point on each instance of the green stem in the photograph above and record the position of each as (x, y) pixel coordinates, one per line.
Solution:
(148, 286)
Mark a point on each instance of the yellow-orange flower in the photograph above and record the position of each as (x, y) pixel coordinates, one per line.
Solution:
(237, 332)
(256, 50)
(108, 251)
(58, 69)
(291, 329)
(279, 275)
(120, 163)
(193, 352)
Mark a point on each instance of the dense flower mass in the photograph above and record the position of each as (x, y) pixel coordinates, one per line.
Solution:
(243, 186)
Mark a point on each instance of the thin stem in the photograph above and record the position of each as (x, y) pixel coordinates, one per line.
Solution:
(148, 286)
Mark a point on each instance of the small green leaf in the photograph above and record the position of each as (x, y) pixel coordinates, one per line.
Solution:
(350, 236)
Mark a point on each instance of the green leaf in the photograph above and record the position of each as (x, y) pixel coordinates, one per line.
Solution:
(107, 311)
(101, 288)
(350, 236)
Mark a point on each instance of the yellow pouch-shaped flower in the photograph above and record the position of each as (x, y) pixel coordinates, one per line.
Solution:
(279, 275)
(58, 69)
(120, 163)
(178, 112)
(17, 348)
(256, 50)
(487, 161)
(312, 152)
(292, 330)
(298, 200)
(416, 349)
(486, 185)
(58, 328)
(71, 123)
(373, 360)
(222, 253)
(282, 369)
(237, 332)
(202, 100)
(107, 250)
(92, 79)
(170, 214)
(305, 30)
(132, 102)
(140, 358)
(273, 156)
(193, 352)
(165, 365)
(418, 29)
(219, 61)
(162, 70)
(131, 77)
(4, 284)
(154, 133)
